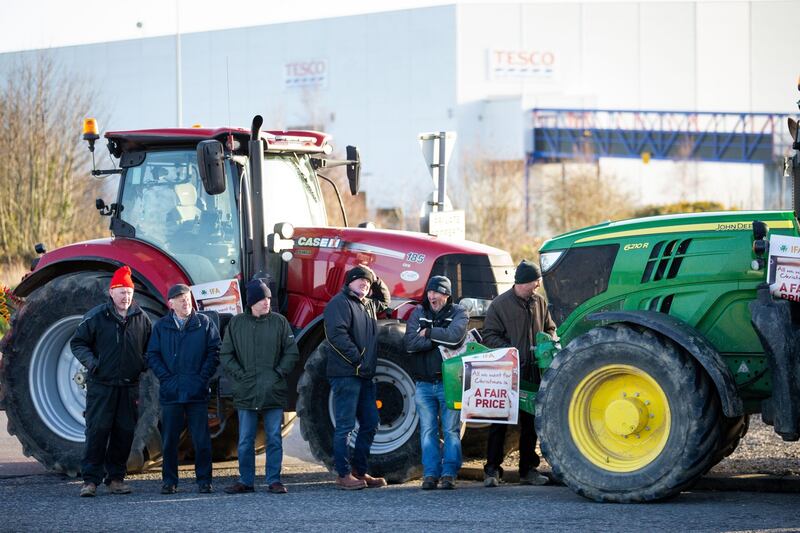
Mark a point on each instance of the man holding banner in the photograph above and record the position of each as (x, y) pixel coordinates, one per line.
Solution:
(436, 322)
(513, 319)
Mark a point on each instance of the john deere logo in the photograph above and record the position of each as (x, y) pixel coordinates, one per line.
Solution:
(784, 247)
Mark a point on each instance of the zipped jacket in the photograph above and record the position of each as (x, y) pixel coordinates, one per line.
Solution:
(184, 359)
(351, 328)
(514, 321)
(111, 347)
(448, 328)
(258, 354)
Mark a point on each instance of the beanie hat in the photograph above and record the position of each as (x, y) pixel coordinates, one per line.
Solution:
(121, 278)
(358, 272)
(176, 290)
(439, 284)
(527, 272)
(257, 290)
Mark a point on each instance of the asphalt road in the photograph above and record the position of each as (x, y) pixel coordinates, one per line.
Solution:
(49, 503)
(32, 500)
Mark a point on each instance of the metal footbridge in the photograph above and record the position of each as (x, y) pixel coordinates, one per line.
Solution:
(725, 137)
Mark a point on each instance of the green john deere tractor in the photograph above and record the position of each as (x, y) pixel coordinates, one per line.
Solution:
(671, 340)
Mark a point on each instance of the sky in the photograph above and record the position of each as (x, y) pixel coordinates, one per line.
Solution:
(34, 24)
(68, 22)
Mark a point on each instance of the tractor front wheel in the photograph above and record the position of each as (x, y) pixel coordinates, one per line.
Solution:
(627, 416)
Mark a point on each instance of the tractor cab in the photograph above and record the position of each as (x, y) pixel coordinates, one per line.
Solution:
(207, 220)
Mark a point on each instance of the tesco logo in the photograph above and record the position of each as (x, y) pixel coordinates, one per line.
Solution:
(312, 72)
(306, 68)
(521, 64)
(523, 58)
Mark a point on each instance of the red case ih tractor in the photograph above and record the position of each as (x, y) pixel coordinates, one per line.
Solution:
(194, 206)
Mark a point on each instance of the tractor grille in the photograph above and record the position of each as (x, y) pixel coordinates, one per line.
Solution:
(665, 260)
(580, 274)
(661, 304)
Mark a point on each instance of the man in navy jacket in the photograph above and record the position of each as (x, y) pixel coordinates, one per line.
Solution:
(351, 328)
(184, 353)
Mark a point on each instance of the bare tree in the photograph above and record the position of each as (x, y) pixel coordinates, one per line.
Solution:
(580, 196)
(492, 194)
(44, 189)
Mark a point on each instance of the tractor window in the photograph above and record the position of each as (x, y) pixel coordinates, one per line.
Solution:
(291, 193)
(164, 200)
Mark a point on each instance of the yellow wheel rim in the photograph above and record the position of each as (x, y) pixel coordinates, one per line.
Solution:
(619, 418)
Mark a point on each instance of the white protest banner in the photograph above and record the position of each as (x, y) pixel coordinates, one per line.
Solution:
(491, 387)
(784, 267)
(220, 296)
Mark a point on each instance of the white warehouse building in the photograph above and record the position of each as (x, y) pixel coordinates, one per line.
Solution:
(378, 80)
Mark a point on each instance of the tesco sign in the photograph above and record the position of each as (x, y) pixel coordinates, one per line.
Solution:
(515, 64)
(308, 73)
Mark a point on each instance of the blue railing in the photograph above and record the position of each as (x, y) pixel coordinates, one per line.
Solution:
(588, 134)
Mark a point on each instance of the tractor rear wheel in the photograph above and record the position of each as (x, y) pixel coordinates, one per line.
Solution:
(43, 403)
(627, 416)
(395, 453)
(733, 431)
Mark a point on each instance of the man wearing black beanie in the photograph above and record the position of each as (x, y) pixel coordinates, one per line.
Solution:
(351, 329)
(258, 354)
(513, 319)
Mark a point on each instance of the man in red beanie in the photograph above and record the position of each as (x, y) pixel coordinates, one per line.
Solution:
(110, 342)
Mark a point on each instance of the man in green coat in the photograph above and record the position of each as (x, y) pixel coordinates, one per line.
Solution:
(258, 353)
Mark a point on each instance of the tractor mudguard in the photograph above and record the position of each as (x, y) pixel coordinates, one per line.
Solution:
(772, 320)
(80, 264)
(693, 342)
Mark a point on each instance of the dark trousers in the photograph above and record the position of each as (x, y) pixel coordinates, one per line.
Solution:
(111, 416)
(353, 399)
(495, 453)
(174, 418)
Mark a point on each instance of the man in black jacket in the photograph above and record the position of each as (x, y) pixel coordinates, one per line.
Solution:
(351, 328)
(437, 322)
(513, 319)
(110, 343)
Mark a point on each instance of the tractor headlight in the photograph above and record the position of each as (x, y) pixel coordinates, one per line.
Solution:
(475, 306)
(548, 259)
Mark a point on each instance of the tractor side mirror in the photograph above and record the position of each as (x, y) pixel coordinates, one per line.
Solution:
(353, 169)
(211, 164)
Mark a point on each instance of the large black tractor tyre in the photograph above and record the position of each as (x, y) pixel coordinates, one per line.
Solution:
(625, 415)
(732, 432)
(43, 404)
(395, 453)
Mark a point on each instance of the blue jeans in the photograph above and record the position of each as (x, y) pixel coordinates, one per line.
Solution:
(353, 399)
(248, 425)
(438, 460)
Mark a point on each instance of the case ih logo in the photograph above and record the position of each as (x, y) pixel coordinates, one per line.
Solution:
(311, 73)
(319, 242)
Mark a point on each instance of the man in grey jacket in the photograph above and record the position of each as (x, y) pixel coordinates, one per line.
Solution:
(436, 322)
